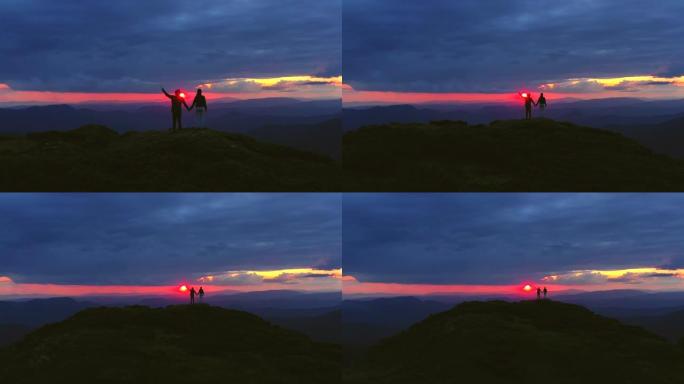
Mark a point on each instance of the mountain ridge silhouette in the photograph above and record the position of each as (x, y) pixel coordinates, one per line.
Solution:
(511, 155)
(96, 158)
(519, 342)
(176, 344)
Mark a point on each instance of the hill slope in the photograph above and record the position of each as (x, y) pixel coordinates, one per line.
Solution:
(525, 342)
(95, 158)
(541, 155)
(177, 344)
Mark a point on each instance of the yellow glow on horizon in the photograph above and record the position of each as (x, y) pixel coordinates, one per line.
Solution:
(298, 271)
(275, 273)
(615, 81)
(273, 81)
(616, 274)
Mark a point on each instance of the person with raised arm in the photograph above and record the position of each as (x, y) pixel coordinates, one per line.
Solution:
(177, 101)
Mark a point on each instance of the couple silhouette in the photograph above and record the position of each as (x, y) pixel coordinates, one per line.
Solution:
(539, 293)
(529, 102)
(178, 100)
(194, 293)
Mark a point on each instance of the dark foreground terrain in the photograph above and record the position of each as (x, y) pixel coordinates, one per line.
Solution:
(176, 344)
(514, 155)
(95, 158)
(524, 342)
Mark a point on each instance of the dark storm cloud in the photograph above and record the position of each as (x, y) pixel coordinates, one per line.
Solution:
(161, 238)
(506, 238)
(498, 45)
(128, 45)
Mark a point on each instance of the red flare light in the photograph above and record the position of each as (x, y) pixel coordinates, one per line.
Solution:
(183, 288)
(182, 95)
(524, 95)
(527, 288)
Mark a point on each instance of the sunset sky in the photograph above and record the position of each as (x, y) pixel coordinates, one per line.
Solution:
(474, 51)
(416, 244)
(108, 244)
(124, 51)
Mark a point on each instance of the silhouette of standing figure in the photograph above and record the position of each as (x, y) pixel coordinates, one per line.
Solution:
(176, 111)
(201, 294)
(539, 293)
(200, 105)
(192, 295)
(541, 102)
(545, 292)
(529, 102)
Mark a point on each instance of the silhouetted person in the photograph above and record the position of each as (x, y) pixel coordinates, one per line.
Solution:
(201, 294)
(541, 102)
(176, 111)
(200, 105)
(539, 293)
(529, 102)
(192, 295)
(545, 292)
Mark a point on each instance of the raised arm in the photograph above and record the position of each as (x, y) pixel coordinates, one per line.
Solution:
(167, 94)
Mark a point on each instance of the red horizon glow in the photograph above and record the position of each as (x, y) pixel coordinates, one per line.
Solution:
(29, 290)
(401, 289)
(353, 96)
(21, 97)
(351, 286)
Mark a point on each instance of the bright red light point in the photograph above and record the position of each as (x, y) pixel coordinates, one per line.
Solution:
(182, 95)
(527, 288)
(524, 95)
(183, 288)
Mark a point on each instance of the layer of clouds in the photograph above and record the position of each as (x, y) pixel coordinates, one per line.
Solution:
(507, 238)
(499, 45)
(163, 238)
(135, 46)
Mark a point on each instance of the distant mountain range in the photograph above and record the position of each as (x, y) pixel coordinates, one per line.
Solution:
(309, 125)
(368, 321)
(597, 113)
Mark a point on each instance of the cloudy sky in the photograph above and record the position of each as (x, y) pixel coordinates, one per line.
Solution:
(479, 50)
(73, 244)
(497, 243)
(72, 50)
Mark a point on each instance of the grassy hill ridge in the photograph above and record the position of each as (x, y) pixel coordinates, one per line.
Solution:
(523, 342)
(96, 158)
(511, 155)
(176, 344)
